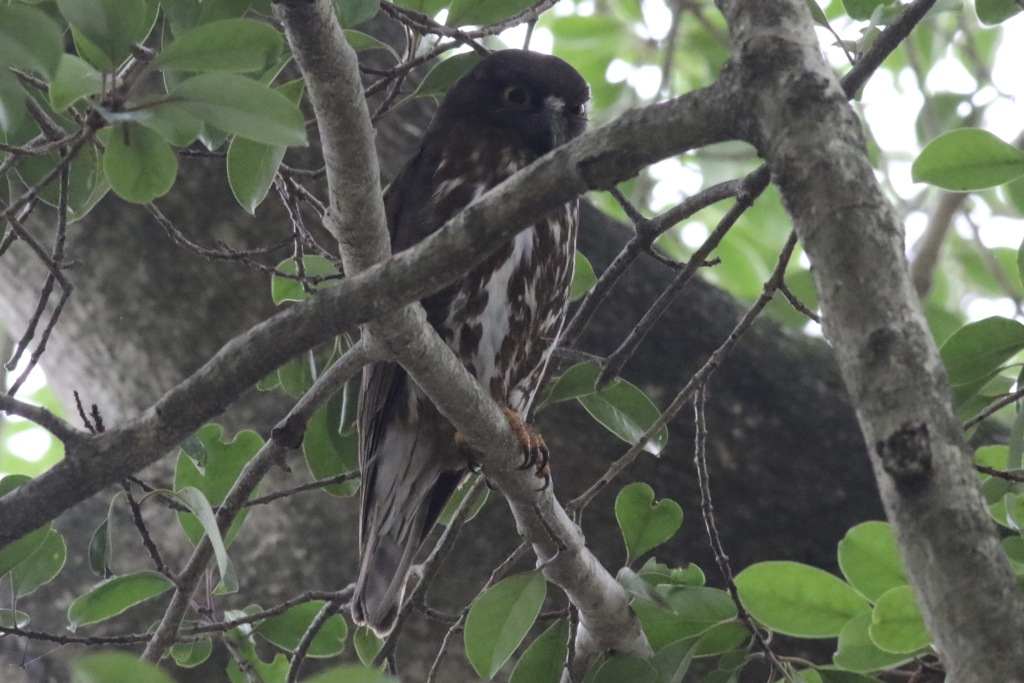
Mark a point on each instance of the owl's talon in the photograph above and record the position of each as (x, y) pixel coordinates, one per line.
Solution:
(535, 451)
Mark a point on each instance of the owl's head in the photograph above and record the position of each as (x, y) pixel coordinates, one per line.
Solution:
(517, 97)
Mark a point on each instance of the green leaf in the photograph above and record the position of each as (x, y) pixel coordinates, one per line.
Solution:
(16, 552)
(674, 660)
(106, 667)
(41, 567)
(968, 159)
(797, 599)
(583, 277)
(286, 289)
(975, 352)
(195, 449)
(169, 121)
(328, 450)
(367, 644)
(352, 12)
(350, 673)
(443, 76)
(428, 7)
(74, 80)
(252, 166)
(113, 26)
(644, 523)
(994, 12)
(298, 374)
(244, 107)
(857, 652)
(191, 654)
(236, 45)
(544, 660)
(13, 618)
(12, 107)
(139, 165)
(363, 41)
(870, 560)
(286, 630)
(500, 619)
(456, 499)
(863, 9)
(619, 668)
(621, 407)
(693, 611)
(658, 574)
(29, 39)
(896, 623)
(483, 12)
(194, 499)
(225, 463)
(110, 598)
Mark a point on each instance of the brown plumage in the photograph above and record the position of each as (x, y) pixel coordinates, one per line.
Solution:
(501, 320)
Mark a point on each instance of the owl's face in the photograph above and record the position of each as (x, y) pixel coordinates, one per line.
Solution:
(520, 98)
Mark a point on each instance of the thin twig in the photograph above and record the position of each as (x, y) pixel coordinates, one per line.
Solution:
(326, 612)
(576, 505)
(707, 510)
(753, 185)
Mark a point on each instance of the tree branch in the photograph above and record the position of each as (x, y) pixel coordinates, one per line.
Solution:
(813, 143)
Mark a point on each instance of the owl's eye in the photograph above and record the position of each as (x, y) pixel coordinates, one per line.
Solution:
(579, 111)
(516, 95)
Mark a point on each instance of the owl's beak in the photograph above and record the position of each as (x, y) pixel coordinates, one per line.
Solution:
(554, 110)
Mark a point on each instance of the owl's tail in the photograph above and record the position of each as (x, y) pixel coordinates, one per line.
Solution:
(408, 476)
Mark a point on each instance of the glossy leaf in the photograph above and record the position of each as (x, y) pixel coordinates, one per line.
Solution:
(456, 499)
(252, 166)
(286, 289)
(621, 407)
(968, 159)
(191, 654)
(194, 499)
(975, 352)
(236, 45)
(583, 277)
(29, 39)
(74, 80)
(329, 451)
(797, 599)
(863, 9)
(544, 660)
(13, 114)
(351, 673)
(482, 12)
(363, 41)
(857, 652)
(443, 76)
(139, 165)
(500, 619)
(18, 551)
(693, 611)
(42, 566)
(13, 618)
(242, 106)
(352, 12)
(286, 630)
(111, 25)
(994, 12)
(367, 644)
(106, 667)
(870, 560)
(224, 464)
(110, 598)
(619, 668)
(896, 623)
(644, 523)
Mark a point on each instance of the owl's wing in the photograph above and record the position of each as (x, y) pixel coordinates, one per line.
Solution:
(409, 462)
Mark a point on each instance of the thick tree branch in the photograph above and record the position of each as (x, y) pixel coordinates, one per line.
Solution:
(812, 141)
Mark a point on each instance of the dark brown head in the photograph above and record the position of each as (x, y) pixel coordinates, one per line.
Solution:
(517, 97)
